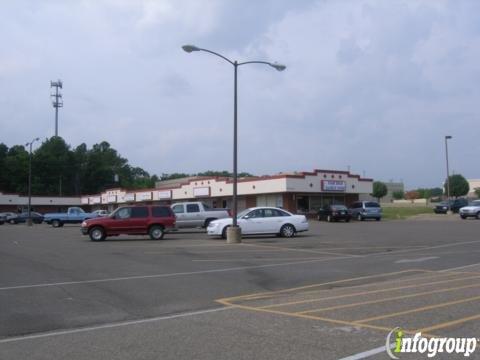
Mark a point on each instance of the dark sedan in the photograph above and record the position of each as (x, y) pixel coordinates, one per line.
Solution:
(37, 218)
(334, 213)
(455, 206)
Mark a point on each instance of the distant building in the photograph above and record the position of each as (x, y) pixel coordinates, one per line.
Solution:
(392, 187)
(302, 192)
(474, 184)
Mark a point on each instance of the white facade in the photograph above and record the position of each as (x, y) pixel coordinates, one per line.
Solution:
(18, 200)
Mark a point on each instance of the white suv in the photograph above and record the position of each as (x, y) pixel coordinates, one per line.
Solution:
(472, 210)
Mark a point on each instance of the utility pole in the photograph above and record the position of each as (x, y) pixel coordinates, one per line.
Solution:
(57, 100)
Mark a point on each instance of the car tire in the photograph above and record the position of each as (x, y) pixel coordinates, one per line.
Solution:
(224, 232)
(97, 233)
(329, 218)
(156, 232)
(378, 219)
(207, 222)
(56, 223)
(464, 217)
(478, 215)
(287, 231)
(360, 217)
(347, 220)
(11, 221)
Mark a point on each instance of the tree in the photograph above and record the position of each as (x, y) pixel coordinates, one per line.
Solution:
(379, 190)
(436, 191)
(458, 185)
(398, 195)
(424, 193)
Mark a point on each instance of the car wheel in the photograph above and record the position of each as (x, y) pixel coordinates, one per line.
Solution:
(359, 217)
(156, 232)
(347, 220)
(56, 223)
(287, 231)
(97, 233)
(464, 217)
(11, 221)
(224, 232)
(329, 218)
(207, 222)
(478, 215)
(378, 219)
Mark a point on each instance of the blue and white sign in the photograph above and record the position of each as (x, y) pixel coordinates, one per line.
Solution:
(334, 185)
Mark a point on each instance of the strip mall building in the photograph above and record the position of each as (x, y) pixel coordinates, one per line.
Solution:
(303, 192)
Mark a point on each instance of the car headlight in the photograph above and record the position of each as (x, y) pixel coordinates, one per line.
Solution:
(84, 224)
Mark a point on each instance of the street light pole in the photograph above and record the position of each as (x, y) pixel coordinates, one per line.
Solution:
(29, 220)
(448, 173)
(234, 234)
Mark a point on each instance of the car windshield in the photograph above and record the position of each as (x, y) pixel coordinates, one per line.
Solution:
(372, 205)
(243, 213)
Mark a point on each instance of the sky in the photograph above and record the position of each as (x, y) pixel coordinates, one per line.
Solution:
(370, 85)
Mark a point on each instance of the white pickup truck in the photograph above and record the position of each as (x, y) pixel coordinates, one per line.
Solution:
(197, 214)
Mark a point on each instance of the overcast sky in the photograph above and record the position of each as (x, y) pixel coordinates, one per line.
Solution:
(374, 85)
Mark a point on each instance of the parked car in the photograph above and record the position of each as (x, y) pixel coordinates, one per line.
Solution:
(8, 215)
(334, 213)
(362, 210)
(472, 210)
(37, 218)
(101, 212)
(74, 215)
(197, 214)
(131, 220)
(455, 206)
(3, 218)
(262, 220)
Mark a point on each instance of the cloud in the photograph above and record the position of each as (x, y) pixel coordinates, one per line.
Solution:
(369, 84)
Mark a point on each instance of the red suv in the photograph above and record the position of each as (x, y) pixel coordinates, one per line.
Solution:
(132, 220)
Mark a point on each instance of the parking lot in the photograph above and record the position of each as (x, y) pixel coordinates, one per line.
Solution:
(333, 292)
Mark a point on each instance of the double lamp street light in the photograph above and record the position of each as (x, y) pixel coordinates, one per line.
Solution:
(234, 234)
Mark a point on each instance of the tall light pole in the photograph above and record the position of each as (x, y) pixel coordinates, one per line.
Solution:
(29, 220)
(234, 233)
(57, 100)
(448, 172)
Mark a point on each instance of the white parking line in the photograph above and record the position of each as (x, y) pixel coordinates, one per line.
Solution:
(350, 257)
(111, 325)
(368, 353)
(166, 275)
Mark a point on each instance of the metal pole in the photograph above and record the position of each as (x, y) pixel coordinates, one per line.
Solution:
(235, 207)
(29, 221)
(448, 172)
(56, 111)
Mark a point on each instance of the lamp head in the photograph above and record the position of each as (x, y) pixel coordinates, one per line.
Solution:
(278, 67)
(190, 48)
(448, 137)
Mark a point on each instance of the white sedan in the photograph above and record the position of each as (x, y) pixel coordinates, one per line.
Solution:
(262, 220)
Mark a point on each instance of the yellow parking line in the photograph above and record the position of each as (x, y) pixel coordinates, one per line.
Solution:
(318, 318)
(431, 275)
(369, 292)
(450, 323)
(272, 293)
(387, 299)
(420, 309)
